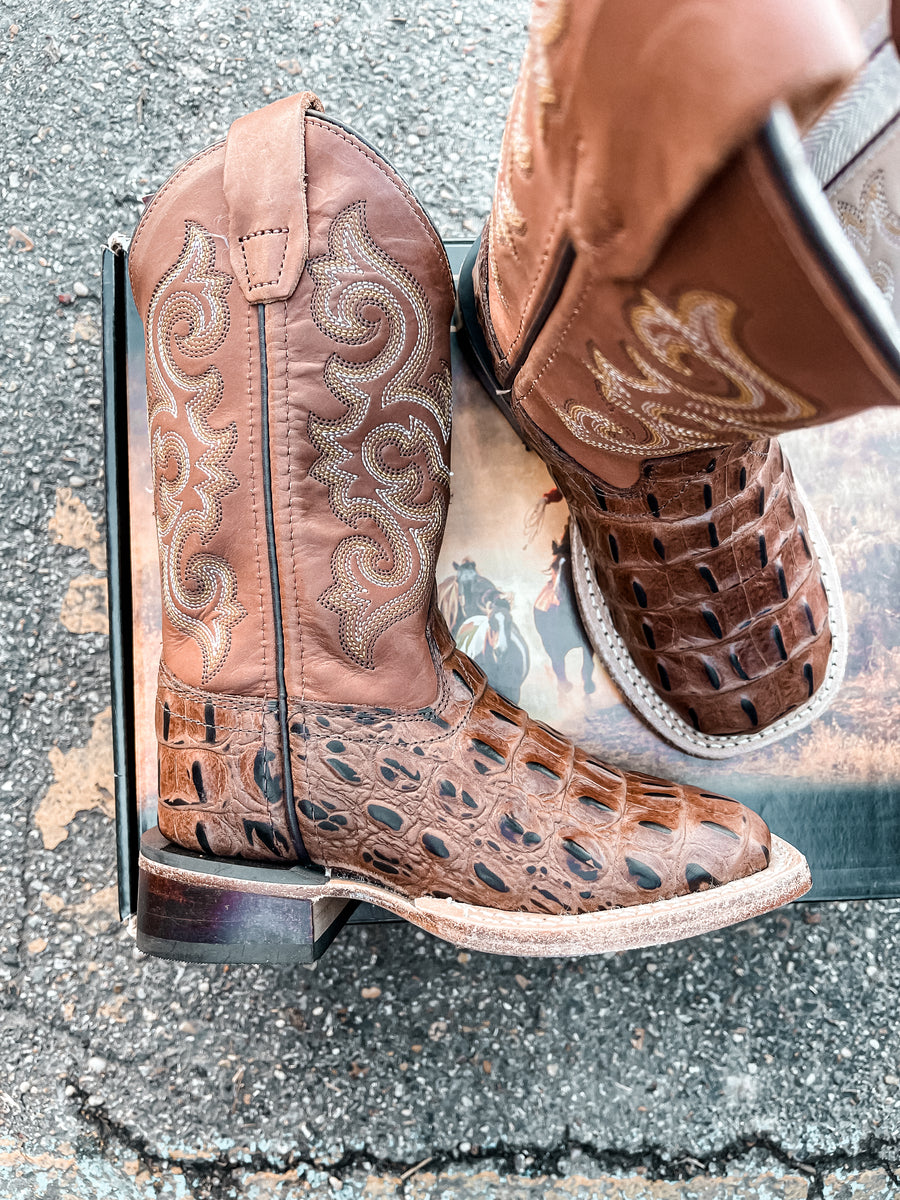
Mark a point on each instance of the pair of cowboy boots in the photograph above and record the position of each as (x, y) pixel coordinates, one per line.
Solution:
(313, 712)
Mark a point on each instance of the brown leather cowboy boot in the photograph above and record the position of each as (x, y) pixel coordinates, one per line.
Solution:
(659, 290)
(313, 708)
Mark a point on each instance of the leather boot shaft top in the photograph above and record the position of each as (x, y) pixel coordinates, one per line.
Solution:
(286, 305)
(622, 114)
(648, 283)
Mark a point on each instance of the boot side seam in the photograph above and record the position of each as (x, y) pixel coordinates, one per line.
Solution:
(576, 309)
(278, 614)
(541, 263)
(290, 474)
(253, 493)
(288, 764)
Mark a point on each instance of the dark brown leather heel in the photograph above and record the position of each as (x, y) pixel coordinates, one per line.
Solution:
(196, 908)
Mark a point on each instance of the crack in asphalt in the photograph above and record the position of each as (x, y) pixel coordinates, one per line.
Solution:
(654, 1164)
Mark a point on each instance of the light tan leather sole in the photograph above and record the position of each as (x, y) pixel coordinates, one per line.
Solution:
(495, 931)
(648, 704)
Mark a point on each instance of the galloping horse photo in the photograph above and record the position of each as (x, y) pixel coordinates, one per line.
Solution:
(481, 620)
(557, 621)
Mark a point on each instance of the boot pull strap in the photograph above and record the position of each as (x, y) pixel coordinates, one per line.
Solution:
(265, 190)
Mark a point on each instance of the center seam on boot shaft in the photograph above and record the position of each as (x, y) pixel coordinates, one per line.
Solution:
(251, 423)
(286, 772)
(262, 619)
(288, 760)
(290, 475)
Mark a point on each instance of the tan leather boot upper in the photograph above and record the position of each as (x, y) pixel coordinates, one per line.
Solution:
(358, 504)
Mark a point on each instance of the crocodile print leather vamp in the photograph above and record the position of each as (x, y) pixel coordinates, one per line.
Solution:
(710, 592)
(468, 799)
(313, 708)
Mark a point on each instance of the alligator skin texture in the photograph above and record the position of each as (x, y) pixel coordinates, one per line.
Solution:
(469, 798)
(711, 579)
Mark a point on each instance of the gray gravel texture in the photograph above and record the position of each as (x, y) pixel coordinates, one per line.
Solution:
(767, 1052)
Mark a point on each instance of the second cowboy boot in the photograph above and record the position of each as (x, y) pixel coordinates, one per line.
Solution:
(660, 289)
(313, 711)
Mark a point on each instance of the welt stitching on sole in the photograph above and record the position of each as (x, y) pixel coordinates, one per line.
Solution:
(484, 927)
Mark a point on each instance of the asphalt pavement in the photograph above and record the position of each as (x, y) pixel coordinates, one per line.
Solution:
(761, 1062)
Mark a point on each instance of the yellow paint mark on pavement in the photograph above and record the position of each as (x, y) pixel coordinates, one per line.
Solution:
(94, 914)
(383, 1185)
(98, 912)
(476, 1186)
(113, 1010)
(72, 525)
(44, 1162)
(83, 780)
(84, 607)
(270, 1185)
(85, 328)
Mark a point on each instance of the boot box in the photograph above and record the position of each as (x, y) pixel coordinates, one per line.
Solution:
(833, 789)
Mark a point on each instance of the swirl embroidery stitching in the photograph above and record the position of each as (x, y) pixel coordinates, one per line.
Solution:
(364, 568)
(188, 315)
(699, 329)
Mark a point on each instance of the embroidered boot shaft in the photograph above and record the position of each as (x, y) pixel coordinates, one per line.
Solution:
(312, 705)
(659, 290)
